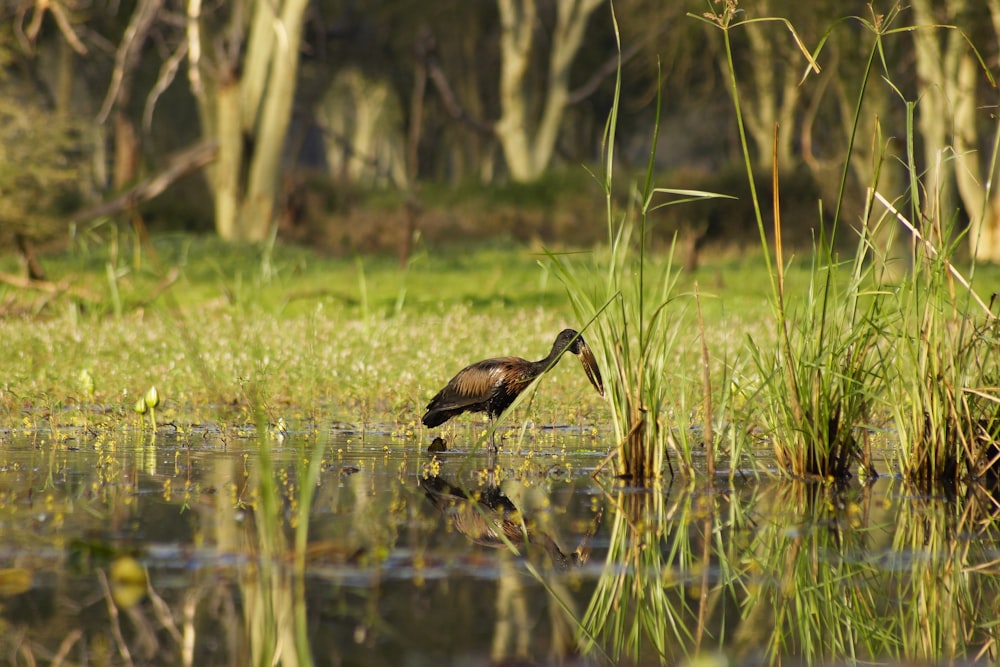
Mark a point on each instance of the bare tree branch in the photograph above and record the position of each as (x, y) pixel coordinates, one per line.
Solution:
(182, 164)
(64, 285)
(609, 67)
(127, 55)
(168, 72)
(54, 7)
(451, 103)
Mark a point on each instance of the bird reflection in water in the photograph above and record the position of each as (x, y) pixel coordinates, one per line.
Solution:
(489, 518)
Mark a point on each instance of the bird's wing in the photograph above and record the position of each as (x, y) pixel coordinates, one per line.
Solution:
(475, 383)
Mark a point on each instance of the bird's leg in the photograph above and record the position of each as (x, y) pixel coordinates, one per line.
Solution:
(493, 436)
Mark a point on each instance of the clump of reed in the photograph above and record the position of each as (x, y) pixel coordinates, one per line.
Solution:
(857, 342)
(819, 374)
(945, 370)
(630, 303)
(822, 378)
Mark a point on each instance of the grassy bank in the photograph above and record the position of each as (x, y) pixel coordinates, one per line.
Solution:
(217, 329)
(360, 340)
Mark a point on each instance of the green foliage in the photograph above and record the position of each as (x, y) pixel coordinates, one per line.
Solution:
(945, 370)
(636, 324)
(42, 167)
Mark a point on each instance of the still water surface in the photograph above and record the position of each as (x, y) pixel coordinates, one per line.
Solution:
(117, 551)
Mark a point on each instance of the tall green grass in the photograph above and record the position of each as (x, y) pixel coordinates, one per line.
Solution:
(856, 342)
(941, 361)
(943, 398)
(820, 382)
(636, 318)
(819, 373)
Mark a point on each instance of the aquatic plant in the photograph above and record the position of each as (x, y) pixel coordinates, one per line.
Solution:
(943, 399)
(821, 372)
(147, 404)
(634, 319)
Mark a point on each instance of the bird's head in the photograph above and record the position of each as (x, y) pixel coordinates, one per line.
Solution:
(574, 342)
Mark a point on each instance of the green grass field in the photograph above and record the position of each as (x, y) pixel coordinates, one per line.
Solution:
(361, 338)
(218, 328)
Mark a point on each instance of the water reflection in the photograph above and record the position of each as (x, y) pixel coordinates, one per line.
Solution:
(664, 587)
(185, 554)
(489, 518)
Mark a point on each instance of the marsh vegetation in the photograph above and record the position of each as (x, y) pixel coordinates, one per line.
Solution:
(286, 507)
(213, 453)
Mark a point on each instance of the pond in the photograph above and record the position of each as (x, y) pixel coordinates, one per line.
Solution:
(119, 549)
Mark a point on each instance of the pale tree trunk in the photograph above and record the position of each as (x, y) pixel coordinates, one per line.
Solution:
(528, 146)
(275, 110)
(984, 215)
(938, 52)
(362, 118)
(775, 95)
(224, 176)
(251, 100)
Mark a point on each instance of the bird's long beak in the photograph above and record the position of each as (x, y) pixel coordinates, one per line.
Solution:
(590, 367)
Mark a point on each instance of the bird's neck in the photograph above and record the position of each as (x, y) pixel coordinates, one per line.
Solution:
(553, 355)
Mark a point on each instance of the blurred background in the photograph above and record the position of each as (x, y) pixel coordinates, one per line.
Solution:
(369, 125)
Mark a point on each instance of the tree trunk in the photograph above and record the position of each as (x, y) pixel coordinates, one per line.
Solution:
(126, 169)
(528, 147)
(249, 102)
(517, 19)
(984, 215)
(225, 173)
(275, 112)
(775, 97)
(937, 74)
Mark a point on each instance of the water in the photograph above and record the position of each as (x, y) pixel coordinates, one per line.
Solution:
(118, 550)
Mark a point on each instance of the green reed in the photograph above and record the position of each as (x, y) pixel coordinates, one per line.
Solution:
(631, 303)
(943, 400)
(820, 383)
(943, 360)
(819, 375)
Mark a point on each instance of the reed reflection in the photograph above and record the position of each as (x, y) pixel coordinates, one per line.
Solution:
(666, 579)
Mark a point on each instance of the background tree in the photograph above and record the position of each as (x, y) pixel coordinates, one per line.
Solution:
(399, 85)
(973, 172)
(938, 51)
(243, 65)
(528, 137)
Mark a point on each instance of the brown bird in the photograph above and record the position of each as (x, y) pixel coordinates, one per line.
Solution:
(491, 385)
